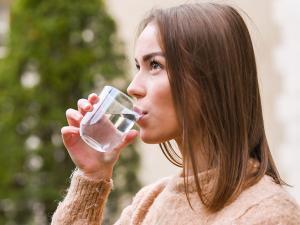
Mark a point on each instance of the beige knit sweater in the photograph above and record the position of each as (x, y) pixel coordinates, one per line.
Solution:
(164, 203)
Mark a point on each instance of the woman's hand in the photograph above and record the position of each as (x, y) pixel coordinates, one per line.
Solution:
(94, 164)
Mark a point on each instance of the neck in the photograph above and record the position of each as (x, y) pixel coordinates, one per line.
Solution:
(200, 159)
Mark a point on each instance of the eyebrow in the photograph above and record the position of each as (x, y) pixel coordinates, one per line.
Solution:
(150, 55)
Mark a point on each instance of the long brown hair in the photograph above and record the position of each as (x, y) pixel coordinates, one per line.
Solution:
(213, 78)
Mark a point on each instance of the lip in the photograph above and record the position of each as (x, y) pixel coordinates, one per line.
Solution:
(142, 119)
(139, 111)
(143, 115)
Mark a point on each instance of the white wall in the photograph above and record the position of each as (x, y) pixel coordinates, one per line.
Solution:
(287, 61)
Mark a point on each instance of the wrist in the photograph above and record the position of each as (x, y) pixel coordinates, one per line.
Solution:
(97, 176)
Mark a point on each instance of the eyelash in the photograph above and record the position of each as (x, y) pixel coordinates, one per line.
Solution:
(152, 63)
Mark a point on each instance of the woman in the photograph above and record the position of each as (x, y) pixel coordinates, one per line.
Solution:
(196, 83)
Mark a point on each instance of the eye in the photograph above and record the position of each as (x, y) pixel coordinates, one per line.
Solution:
(155, 65)
(137, 66)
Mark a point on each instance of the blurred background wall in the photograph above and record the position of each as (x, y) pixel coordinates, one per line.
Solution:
(275, 28)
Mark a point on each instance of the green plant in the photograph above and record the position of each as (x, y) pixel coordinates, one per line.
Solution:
(58, 51)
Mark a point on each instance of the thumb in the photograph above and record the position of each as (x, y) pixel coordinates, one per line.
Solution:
(130, 136)
(127, 139)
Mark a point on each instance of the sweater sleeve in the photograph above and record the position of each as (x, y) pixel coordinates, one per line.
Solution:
(278, 209)
(84, 202)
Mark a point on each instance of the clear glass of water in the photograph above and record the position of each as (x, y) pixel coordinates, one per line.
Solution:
(105, 126)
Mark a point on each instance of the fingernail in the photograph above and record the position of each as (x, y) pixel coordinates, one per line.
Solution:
(124, 138)
(78, 117)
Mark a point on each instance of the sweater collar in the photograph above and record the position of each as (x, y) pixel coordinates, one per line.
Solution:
(206, 179)
(177, 182)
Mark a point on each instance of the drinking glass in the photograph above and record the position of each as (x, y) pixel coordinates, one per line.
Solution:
(104, 127)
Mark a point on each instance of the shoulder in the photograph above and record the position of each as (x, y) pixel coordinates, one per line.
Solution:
(268, 203)
(276, 209)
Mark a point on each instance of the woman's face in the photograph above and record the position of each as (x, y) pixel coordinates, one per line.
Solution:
(151, 89)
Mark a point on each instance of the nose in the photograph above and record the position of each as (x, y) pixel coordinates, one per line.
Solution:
(136, 88)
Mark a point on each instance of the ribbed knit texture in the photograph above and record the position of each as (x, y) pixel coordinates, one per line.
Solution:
(165, 203)
(84, 202)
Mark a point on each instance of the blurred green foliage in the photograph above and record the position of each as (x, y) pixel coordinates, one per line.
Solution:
(57, 52)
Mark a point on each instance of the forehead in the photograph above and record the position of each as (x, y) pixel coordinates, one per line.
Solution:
(147, 41)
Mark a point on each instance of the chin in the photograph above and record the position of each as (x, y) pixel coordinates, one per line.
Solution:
(152, 139)
(149, 140)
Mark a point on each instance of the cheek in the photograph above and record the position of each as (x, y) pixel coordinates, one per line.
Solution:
(162, 126)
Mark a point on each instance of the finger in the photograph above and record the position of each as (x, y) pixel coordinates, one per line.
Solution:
(70, 135)
(84, 106)
(127, 139)
(69, 130)
(73, 117)
(93, 98)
